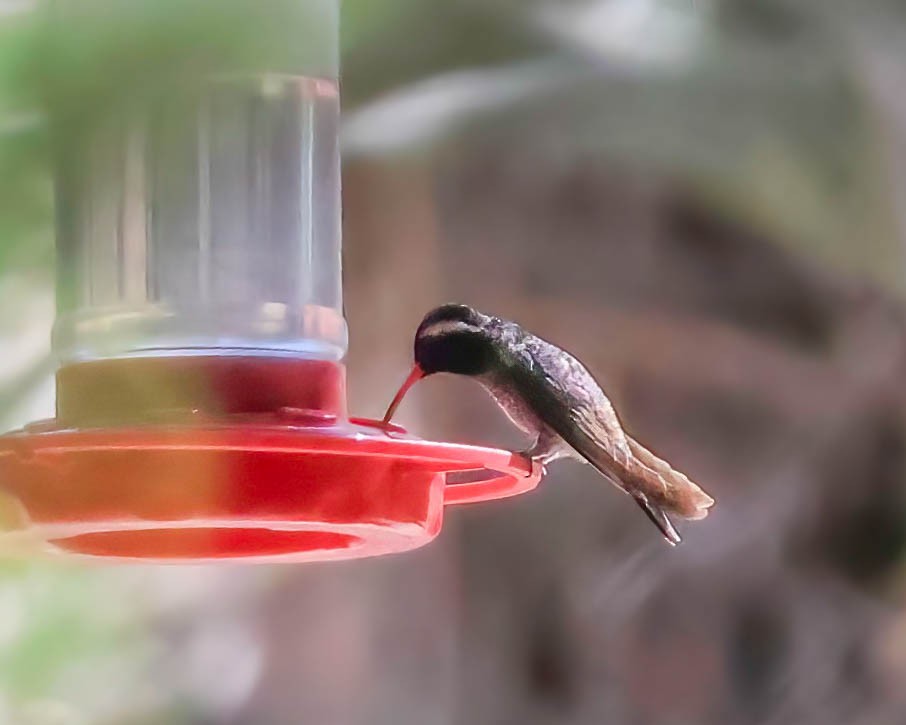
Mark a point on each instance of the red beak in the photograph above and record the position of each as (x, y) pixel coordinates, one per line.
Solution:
(416, 375)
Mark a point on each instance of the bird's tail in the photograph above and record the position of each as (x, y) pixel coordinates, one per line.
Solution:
(660, 490)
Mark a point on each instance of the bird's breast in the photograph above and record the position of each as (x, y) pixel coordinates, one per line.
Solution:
(516, 407)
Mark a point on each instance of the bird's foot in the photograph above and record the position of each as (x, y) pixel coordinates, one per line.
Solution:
(534, 459)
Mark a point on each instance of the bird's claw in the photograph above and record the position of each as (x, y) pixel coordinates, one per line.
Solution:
(533, 461)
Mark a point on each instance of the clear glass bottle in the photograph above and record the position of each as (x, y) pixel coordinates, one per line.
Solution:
(207, 222)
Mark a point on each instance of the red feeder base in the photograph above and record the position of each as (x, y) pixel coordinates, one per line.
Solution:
(293, 485)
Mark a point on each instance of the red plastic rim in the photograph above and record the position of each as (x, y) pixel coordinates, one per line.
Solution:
(194, 458)
(303, 487)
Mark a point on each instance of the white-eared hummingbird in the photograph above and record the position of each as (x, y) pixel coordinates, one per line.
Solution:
(551, 396)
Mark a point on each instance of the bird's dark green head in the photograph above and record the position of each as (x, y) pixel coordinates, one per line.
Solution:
(454, 339)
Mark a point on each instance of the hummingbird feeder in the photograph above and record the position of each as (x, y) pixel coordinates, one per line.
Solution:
(201, 397)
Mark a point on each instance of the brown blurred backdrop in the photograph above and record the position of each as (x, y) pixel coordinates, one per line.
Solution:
(704, 202)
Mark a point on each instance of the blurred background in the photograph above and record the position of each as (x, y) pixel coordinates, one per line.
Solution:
(704, 200)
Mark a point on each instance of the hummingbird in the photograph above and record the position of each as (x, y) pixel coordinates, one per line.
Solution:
(552, 397)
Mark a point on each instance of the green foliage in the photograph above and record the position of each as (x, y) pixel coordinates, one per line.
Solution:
(767, 116)
(764, 110)
(58, 624)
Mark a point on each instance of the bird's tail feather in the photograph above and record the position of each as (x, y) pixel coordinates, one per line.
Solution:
(662, 489)
(658, 518)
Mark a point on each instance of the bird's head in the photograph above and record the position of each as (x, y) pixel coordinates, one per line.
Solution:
(454, 339)
(450, 339)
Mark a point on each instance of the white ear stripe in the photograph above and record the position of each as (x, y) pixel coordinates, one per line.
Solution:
(445, 327)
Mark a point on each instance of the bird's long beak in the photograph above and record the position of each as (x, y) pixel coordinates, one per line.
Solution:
(416, 375)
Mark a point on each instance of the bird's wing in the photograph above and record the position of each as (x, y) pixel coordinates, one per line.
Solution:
(562, 394)
(565, 396)
(569, 400)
